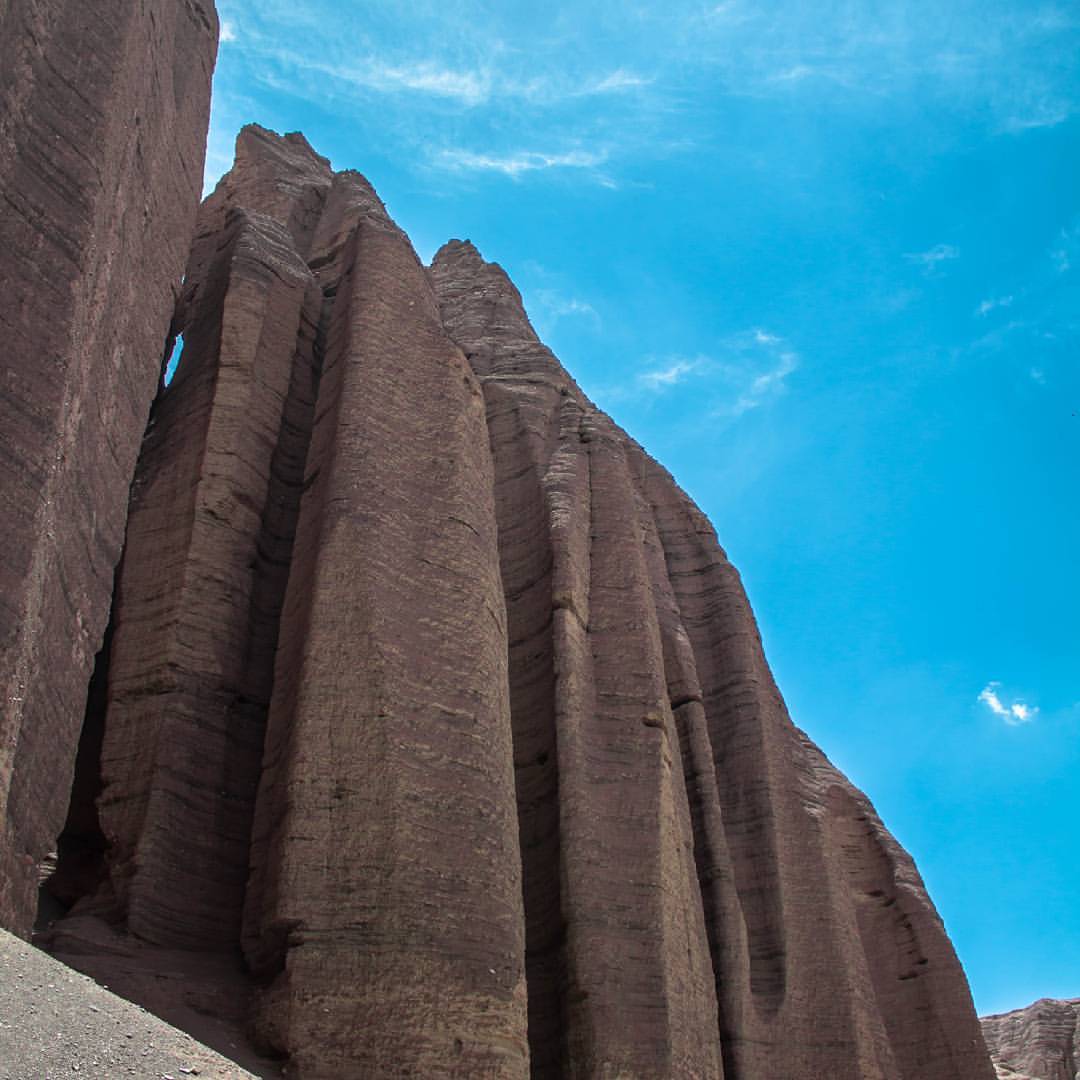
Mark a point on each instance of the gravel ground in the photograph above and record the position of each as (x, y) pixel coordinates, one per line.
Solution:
(56, 1023)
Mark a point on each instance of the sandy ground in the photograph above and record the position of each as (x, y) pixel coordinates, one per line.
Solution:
(57, 1023)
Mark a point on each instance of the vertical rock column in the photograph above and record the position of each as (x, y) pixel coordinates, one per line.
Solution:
(103, 116)
(728, 903)
(212, 517)
(618, 961)
(385, 897)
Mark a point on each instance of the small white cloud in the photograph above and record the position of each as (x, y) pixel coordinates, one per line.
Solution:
(675, 373)
(1043, 114)
(931, 259)
(799, 73)
(762, 337)
(228, 31)
(557, 306)
(768, 383)
(988, 305)
(514, 165)
(1066, 250)
(619, 80)
(469, 87)
(990, 699)
(1038, 375)
(1014, 714)
(731, 11)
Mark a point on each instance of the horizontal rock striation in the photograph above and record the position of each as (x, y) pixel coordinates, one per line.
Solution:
(432, 693)
(1040, 1042)
(773, 922)
(103, 117)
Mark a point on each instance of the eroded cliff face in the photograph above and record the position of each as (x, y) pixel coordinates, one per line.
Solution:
(432, 692)
(103, 116)
(1041, 1042)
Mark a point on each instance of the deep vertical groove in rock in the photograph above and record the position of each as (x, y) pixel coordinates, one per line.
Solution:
(81, 846)
(737, 741)
(519, 453)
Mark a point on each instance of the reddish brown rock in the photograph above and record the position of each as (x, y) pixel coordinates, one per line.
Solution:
(1041, 1042)
(209, 539)
(662, 785)
(529, 802)
(103, 118)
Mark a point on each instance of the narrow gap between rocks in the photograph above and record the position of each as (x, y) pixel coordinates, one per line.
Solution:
(79, 866)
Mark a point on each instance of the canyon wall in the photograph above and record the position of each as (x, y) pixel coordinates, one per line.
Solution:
(426, 696)
(431, 692)
(103, 116)
(1040, 1042)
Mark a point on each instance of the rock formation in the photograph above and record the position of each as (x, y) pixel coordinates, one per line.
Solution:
(1041, 1042)
(103, 116)
(431, 691)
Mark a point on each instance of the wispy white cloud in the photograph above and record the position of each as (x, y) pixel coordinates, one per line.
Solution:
(672, 373)
(994, 302)
(1014, 713)
(931, 259)
(1066, 249)
(768, 383)
(516, 164)
(554, 305)
(1010, 66)
(618, 81)
(469, 87)
(228, 31)
(1038, 375)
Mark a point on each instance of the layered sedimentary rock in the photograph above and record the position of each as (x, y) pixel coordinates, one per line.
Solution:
(1041, 1042)
(432, 692)
(103, 117)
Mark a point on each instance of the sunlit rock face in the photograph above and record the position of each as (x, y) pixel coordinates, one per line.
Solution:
(431, 692)
(430, 734)
(104, 109)
(1041, 1042)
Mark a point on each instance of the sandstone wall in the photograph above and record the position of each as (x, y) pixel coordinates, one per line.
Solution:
(103, 116)
(529, 802)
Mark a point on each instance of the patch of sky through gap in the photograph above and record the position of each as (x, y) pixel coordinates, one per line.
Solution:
(174, 359)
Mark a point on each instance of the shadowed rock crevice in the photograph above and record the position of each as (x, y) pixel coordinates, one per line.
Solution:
(526, 562)
(80, 848)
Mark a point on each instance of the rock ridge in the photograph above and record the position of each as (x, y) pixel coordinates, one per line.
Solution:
(431, 692)
(1039, 1042)
(432, 719)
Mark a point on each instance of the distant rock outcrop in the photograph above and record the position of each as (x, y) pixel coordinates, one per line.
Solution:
(1041, 1042)
(431, 691)
(103, 116)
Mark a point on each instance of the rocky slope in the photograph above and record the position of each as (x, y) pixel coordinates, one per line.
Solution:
(103, 116)
(1041, 1042)
(55, 1022)
(430, 691)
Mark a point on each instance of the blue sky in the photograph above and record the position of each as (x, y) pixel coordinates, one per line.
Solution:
(823, 261)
